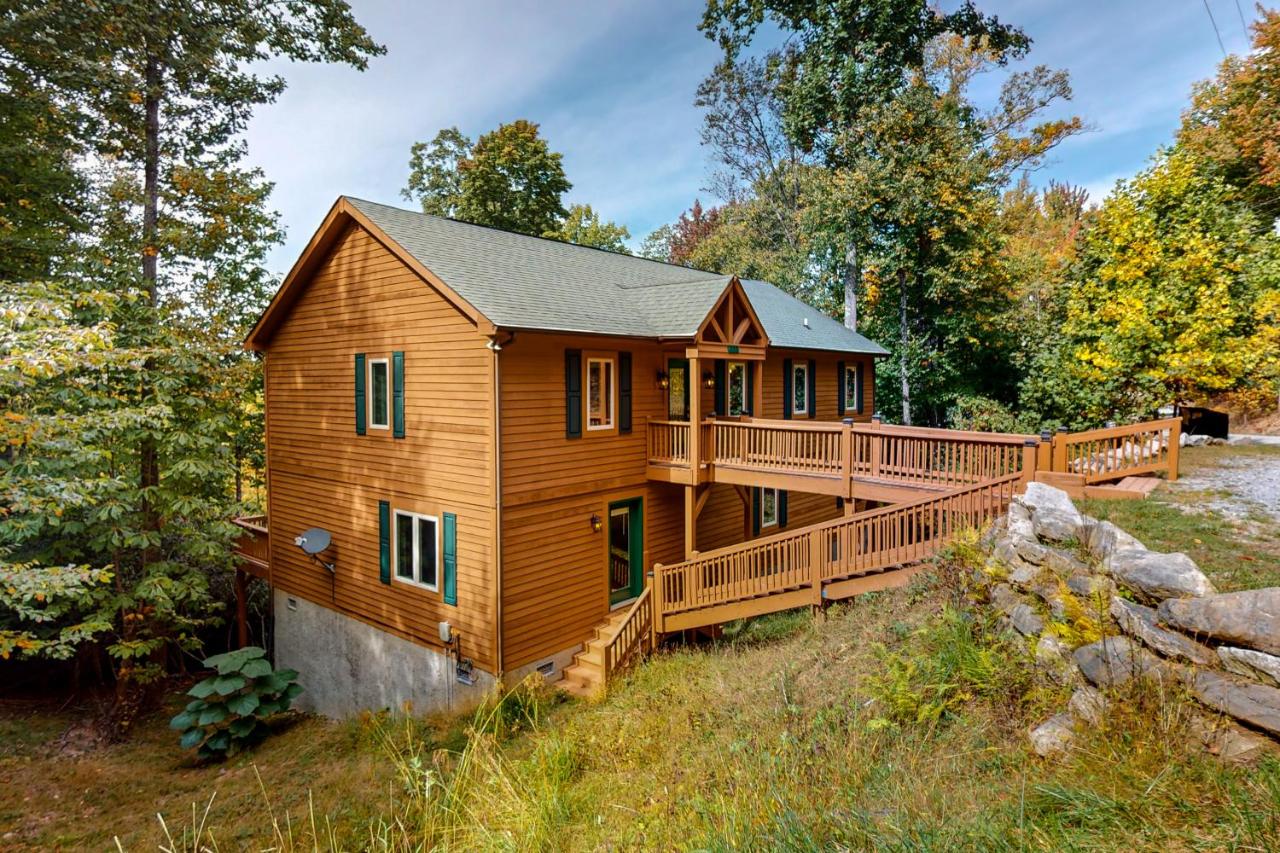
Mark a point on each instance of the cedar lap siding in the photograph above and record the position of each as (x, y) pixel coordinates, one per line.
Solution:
(379, 281)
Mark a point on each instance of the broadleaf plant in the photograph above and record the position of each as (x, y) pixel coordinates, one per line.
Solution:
(230, 709)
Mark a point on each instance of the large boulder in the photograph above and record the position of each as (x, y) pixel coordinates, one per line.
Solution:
(1039, 496)
(1053, 516)
(1103, 537)
(1086, 585)
(1140, 622)
(1155, 576)
(1250, 618)
(1259, 666)
(1116, 660)
(1018, 523)
(1247, 701)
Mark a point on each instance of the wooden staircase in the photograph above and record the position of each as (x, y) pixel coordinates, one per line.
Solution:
(585, 676)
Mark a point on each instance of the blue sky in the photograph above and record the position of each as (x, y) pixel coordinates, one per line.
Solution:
(612, 84)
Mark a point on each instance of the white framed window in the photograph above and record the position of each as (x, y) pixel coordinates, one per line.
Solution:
(800, 388)
(768, 508)
(416, 542)
(379, 393)
(736, 393)
(601, 391)
(851, 388)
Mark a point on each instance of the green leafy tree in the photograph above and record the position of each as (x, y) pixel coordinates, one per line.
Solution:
(583, 227)
(509, 179)
(1173, 298)
(128, 459)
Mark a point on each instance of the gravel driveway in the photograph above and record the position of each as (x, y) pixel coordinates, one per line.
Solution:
(1241, 487)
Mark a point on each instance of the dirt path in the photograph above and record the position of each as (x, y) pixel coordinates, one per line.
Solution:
(1244, 486)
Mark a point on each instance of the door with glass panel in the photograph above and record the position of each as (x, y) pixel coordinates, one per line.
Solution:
(626, 549)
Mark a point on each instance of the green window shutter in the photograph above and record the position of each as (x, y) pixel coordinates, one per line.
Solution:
(624, 392)
(450, 558)
(858, 390)
(755, 510)
(361, 410)
(722, 383)
(397, 394)
(782, 507)
(786, 388)
(384, 541)
(840, 387)
(573, 393)
(813, 389)
(751, 388)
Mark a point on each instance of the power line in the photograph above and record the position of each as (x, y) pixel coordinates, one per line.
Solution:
(1221, 46)
(1243, 25)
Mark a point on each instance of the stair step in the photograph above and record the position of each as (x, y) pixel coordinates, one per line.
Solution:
(590, 657)
(575, 688)
(584, 674)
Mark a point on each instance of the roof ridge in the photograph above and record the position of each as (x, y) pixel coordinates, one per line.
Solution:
(550, 240)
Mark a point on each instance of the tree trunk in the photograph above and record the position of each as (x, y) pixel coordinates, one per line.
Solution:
(903, 341)
(852, 274)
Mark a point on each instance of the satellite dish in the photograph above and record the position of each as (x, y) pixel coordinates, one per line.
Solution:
(314, 541)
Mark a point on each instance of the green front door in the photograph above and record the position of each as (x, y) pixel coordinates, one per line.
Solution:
(626, 549)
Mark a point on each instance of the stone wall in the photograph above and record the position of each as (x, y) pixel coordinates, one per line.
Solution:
(346, 666)
(1102, 610)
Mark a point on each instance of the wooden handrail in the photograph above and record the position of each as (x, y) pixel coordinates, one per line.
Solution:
(634, 637)
(252, 546)
(867, 542)
(1122, 451)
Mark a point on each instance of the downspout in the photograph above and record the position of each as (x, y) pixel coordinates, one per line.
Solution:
(495, 347)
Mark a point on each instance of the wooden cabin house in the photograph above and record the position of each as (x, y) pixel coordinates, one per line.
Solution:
(494, 430)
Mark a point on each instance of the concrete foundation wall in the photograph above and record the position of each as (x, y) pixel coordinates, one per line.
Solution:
(346, 666)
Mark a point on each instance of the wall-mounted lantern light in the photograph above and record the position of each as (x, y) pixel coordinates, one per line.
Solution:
(596, 523)
(709, 379)
(663, 381)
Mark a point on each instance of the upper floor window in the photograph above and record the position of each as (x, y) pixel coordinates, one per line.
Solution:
(417, 543)
(736, 396)
(600, 393)
(852, 376)
(379, 393)
(800, 388)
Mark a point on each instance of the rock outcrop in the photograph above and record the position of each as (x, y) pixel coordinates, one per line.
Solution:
(1250, 618)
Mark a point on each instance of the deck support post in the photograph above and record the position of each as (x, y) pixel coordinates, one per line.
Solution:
(242, 609)
(1030, 454)
(815, 566)
(1175, 445)
(690, 521)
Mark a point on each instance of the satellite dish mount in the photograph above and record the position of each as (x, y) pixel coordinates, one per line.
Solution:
(313, 543)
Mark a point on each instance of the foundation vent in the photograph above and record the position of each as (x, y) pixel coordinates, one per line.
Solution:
(547, 669)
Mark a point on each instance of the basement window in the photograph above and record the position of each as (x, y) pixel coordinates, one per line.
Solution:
(768, 508)
(417, 545)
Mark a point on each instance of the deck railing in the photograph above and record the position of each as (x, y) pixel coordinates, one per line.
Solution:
(669, 442)
(807, 559)
(915, 456)
(814, 449)
(935, 457)
(252, 546)
(634, 638)
(1122, 451)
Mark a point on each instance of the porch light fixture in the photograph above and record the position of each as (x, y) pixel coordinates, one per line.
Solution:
(597, 524)
(709, 379)
(663, 381)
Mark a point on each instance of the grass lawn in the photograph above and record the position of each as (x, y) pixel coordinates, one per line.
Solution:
(891, 723)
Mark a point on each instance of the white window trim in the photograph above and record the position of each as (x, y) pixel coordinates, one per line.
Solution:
(417, 548)
(390, 393)
(763, 522)
(851, 388)
(728, 392)
(801, 367)
(611, 404)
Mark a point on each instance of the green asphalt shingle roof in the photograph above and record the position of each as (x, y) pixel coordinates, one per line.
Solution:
(522, 282)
